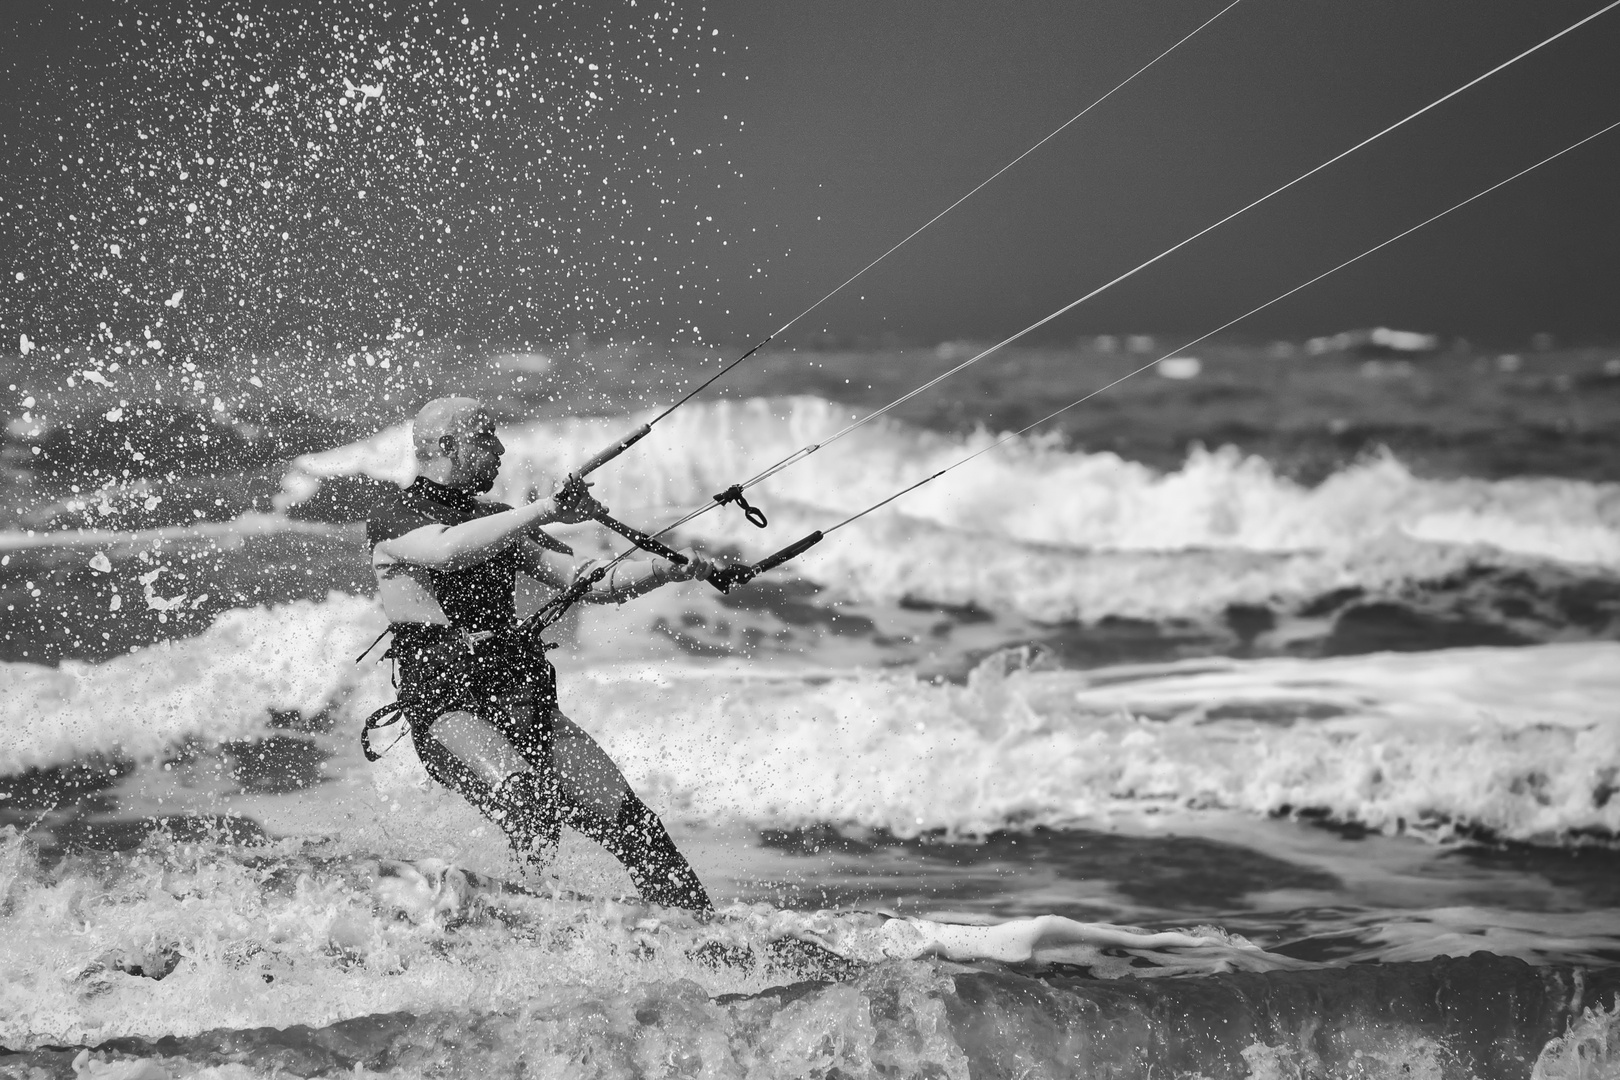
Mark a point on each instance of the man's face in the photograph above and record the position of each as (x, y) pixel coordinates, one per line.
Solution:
(477, 454)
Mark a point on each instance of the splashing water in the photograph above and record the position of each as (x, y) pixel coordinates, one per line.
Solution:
(349, 181)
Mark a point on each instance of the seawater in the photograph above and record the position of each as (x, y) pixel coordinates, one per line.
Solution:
(1067, 766)
(1259, 723)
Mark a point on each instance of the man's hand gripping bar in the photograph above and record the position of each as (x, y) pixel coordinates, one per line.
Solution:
(574, 485)
(727, 577)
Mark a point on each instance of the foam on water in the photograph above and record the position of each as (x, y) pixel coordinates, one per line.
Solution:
(1521, 744)
(191, 958)
(221, 685)
(181, 938)
(271, 938)
(1590, 1050)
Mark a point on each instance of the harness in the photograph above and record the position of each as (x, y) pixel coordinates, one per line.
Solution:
(440, 669)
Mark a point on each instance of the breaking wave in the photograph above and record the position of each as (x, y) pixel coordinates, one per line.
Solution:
(1030, 490)
(1051, 533)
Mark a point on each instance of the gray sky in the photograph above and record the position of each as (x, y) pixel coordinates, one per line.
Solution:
(830, 129)
(862, 119)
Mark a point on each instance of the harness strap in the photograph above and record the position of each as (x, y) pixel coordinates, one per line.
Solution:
(364, 653)
(395, 712)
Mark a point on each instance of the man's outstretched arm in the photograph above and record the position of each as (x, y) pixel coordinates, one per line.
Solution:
(625, 581)
(454, 547)
(632, 579)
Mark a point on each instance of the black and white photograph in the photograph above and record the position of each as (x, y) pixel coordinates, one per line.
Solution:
(827, 539)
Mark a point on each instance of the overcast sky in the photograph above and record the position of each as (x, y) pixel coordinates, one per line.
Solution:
(862, 119)
(832, 128)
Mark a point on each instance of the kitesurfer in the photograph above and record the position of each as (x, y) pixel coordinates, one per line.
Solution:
(481, 699)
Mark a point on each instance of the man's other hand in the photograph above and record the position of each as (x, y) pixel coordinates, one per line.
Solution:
(574, 502)
(696, 567)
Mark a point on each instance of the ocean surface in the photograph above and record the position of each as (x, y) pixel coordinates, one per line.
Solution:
(1261, 722)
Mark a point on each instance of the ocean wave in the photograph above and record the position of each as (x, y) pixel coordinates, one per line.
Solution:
(223, 684)
(1516, 744)
(206, 956)
(1436, 1019)
(1029, 490)
(1052, 534)
(1512, 744)
(284, 934)
(895, 558)
(1044, 533)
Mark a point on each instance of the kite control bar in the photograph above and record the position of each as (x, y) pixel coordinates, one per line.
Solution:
(724, 579)
(727, 577)
(576, 479)
(608, 455)
(642, 540)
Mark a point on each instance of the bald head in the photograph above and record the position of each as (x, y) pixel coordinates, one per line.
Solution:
(455, 443)
(456, 417)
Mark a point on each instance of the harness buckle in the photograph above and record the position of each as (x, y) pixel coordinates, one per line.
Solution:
(475, 638)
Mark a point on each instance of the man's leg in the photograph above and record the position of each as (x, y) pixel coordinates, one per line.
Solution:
(596, 800)
(471, 757)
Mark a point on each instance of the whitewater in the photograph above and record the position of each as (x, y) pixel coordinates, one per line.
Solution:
(1255, 719)
(927, 765)
(1030, 533)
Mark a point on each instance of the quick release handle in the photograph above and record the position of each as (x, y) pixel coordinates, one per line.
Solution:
(612, 452)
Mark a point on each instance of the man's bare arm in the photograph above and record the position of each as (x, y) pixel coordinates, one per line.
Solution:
(631, 579)
(625, 581)
(455, 547)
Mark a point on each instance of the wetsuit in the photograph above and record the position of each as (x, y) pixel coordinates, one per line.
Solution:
(477, 665)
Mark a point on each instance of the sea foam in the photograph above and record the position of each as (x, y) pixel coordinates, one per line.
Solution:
(1520, 744)
(204, 960)
(222, 684)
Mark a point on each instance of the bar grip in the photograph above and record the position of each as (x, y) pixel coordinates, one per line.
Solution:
(792, 551)
(612, 452)
(732, 576)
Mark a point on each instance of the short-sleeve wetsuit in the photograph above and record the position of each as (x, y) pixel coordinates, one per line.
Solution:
(472, 665)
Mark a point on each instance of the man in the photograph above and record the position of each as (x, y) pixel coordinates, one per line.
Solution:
(481, 702)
